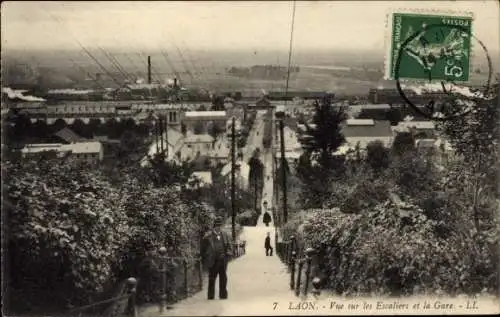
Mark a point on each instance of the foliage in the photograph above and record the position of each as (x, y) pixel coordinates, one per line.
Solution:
(324, 140)
(356, 258)
(403, 142)
(378, 156)
(394, 116)
(247, 218)
(75, 233)
(64, 227)
(218, 103)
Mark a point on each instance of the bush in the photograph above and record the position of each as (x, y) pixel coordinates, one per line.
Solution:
(65, 231)
(247, 218)
(394, 249)
(75, 234)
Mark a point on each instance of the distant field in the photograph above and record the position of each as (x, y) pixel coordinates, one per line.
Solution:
(343, 73)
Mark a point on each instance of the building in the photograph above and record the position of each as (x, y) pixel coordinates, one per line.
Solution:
(290, 95)
(361, 132)
(420, 129)
(68, 136)
(393, 96)
(262, 104)
(196, 145)
(74, 94)
(220, 152)
(198, 122)
(90, 152)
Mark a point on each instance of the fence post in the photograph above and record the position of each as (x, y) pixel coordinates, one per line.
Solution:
(292, 269)
(163, 271)
(132, 285)
(285, 252)
(200, 272)
(186, 287)
(316, 283)
(293, 244)
(309, 253)
(299, 275)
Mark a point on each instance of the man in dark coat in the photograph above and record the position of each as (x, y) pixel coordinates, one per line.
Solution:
(216, 253)
(267, 245)
(266, 218)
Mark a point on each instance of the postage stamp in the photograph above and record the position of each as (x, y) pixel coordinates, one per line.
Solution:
(428, 47)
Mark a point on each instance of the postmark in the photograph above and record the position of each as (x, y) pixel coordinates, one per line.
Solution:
(435, 52)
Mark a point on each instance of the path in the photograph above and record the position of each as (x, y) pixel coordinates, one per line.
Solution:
(255, 281)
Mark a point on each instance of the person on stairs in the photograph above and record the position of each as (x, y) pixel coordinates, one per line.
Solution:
(216, 248)
(267, 245)
(266, 218)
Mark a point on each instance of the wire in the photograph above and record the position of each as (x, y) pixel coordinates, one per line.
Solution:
(290, 53)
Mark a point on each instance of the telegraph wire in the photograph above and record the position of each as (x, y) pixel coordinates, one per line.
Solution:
(290, 53)
(83, 48)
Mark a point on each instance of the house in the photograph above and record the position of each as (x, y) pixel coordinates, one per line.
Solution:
(291, 138)
(67, 136)
(33, 150)
(220, 152)
(196, 145)
(242, 173)
(360, 132)
(420, 129)
(172, 144)
(262, 104)
(91, 152)
(197, 122)
(425, 145)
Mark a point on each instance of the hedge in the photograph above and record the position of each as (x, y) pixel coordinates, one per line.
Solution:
(395, 249)
(247, 218)
(71, 235)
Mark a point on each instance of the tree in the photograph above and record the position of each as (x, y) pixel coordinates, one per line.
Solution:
(256, 174)
(198, 127)
(218, 103)
(403, 142)
(326, 137)
(474, 138)
(394, 116)
(215, 130)
(378, 156)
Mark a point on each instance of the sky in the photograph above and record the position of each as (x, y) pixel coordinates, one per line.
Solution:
(246, 25)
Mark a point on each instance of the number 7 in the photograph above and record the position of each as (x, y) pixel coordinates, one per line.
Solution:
(275, 304)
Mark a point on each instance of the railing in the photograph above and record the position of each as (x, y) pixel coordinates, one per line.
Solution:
(302, 266)
(183, 270)
(123, 303)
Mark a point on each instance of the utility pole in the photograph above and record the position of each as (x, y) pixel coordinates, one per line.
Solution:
(149, 70)
(255, 190)
(283, 172)
(161, 135)
(157, 123)
(166, 136)
(233, 185)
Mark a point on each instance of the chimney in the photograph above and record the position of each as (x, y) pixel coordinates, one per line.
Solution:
(175, 82)
(149, 69)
